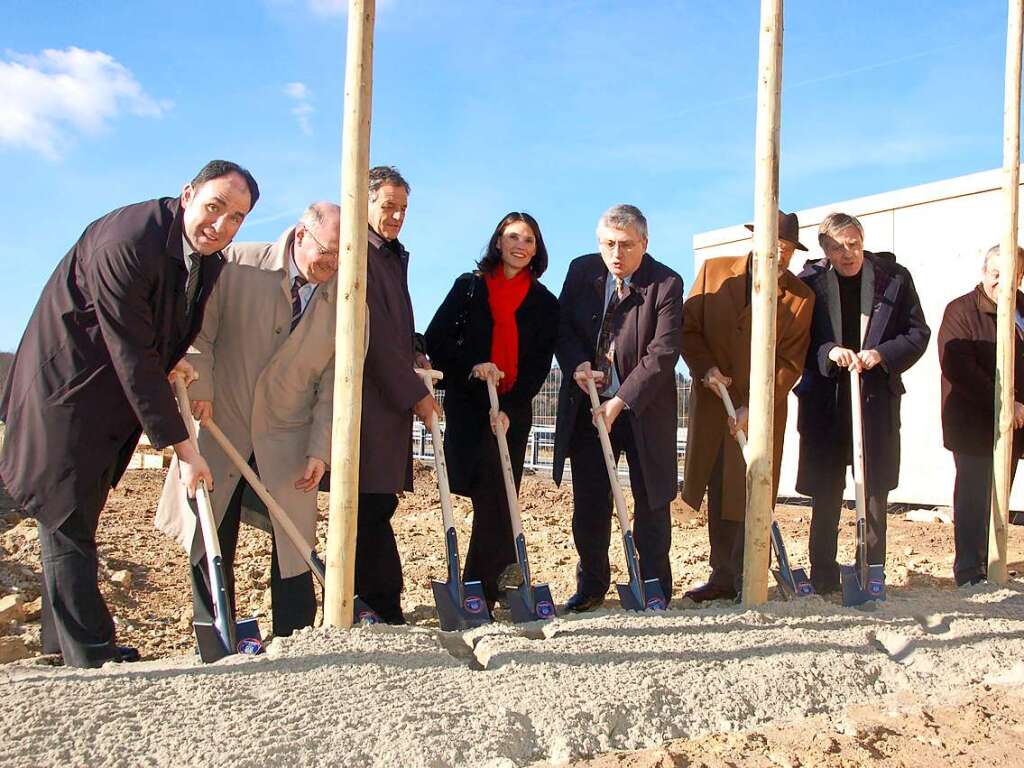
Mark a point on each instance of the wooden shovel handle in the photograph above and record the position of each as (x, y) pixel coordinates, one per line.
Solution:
(609, 460)
(515, 512)
(730, 411)
(429, 376)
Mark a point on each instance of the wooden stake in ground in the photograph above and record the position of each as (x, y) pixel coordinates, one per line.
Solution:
(764, 296)
(351, 320)
(1007, 289)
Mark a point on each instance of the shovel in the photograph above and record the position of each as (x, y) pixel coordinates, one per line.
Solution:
(459, 606)
(861, 582)
(528, 602)
(637, 595)
(223, 636)
(792, 582)
(363, 612)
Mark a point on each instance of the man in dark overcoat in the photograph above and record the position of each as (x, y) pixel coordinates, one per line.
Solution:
(620, 318)
(867, 317)
(967, 357)
(91, 374)
(392, 393)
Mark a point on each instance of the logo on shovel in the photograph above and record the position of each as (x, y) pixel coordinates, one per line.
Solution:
(250, 646)
(473, 604)
(545, 609)
(655, 604)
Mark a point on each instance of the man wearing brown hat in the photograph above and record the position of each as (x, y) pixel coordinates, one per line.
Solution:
(716, 347)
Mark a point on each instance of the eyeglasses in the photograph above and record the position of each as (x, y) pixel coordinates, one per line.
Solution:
(324, 251)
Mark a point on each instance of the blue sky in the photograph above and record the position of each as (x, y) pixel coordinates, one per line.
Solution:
(560, 108)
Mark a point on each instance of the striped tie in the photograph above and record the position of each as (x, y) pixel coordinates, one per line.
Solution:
(605, 357)
(297, 284)
(192, 283)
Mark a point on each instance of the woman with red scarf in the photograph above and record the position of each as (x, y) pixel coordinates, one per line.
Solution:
(497, 321)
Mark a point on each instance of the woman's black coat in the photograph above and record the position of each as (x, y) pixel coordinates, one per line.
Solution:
(466, 405)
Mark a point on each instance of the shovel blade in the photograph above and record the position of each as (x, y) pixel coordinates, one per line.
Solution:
(855, 593)
(642, 596)
(363, 613)
(212, 647)
(459, 612)
(528, 604)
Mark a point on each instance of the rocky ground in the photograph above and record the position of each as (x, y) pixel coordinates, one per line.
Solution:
(144, 579)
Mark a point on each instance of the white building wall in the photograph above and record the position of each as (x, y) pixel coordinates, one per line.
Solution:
(940, 232)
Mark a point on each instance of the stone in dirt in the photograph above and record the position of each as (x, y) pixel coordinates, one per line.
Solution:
(13, 649)
(33, 609)
(122, 578)
(11, 609)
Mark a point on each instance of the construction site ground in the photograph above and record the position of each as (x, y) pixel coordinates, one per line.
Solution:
(933, 676)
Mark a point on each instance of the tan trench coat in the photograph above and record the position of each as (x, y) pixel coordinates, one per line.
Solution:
(271, 392)
(716, 332)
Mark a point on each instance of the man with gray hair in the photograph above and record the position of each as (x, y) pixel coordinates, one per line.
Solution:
(967, 356)
(265, 358)
(867, 318)
(621, 315)
(392, 393)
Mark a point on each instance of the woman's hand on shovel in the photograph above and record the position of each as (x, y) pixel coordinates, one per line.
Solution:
(499, 418)
(310, 479)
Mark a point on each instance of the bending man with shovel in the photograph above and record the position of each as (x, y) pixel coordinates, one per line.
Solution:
(265, 358)
(716, 348)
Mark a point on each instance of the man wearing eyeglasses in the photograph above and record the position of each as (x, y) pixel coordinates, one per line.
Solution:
(621, 314)
(265, 358)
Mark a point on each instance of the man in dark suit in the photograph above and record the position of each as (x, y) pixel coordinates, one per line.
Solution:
(91, 374)
(967, 356)
(392, 393)
(621, 315)
(868, 318)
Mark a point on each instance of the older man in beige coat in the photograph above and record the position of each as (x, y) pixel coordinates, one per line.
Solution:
(265, 358)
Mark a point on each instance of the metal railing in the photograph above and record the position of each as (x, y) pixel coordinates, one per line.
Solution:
(540, 447)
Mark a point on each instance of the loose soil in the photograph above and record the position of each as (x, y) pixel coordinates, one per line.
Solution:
(930, 677)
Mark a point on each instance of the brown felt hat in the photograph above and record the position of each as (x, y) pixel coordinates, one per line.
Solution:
(789, 229)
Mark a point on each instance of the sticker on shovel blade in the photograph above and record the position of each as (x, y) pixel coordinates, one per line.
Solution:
(655, 604)
(473, 604)
(875, 586)
(250, 646)
(804, 589)
(545, 609)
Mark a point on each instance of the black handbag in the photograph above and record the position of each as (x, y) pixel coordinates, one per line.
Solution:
(462, 320)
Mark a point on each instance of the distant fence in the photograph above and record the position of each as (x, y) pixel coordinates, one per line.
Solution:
(540, 448)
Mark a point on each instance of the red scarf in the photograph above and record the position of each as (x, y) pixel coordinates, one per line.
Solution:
(505, 296)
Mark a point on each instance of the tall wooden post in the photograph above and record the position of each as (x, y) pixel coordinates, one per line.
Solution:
(1007, 306)
(349, 344)
(763, 307)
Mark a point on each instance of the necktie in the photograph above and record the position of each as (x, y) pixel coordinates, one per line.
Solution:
(605, 358)
(192, 283)
(297, 284)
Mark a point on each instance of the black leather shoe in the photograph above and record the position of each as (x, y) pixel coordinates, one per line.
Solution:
(710, 591)
(395, 618)
(580, 603)
(127, 653)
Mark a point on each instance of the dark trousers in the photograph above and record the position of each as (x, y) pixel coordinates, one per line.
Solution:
(75, 620)
(826, 509)
(592, 509)
(972, 511)
(726, 536)
(293, 599)
(378, 564)
(491, 545)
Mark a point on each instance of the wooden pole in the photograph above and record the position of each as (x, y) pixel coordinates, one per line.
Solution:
(349, 339)
(1001, 454)
(763, 306)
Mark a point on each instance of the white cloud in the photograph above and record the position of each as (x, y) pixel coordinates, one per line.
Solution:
(302, 110)
(46, 98)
